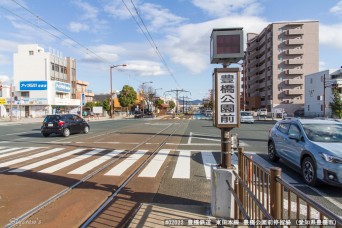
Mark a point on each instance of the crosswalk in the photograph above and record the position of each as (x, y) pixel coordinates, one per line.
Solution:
(83, 160)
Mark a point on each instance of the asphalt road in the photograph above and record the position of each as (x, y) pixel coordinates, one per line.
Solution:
(173, 184)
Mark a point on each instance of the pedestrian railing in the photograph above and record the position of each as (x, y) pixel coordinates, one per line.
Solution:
(262, 195)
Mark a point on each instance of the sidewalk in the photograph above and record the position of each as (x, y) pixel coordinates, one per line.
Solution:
(7, 120)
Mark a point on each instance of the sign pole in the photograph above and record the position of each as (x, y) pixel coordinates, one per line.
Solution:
(226, 148)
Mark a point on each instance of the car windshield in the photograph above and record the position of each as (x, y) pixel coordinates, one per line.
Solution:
(324, 132)
(51, 118)
(246, 114)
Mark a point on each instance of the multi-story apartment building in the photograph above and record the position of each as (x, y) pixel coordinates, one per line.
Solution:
(319, 88)
(276, 62)
(44, 82)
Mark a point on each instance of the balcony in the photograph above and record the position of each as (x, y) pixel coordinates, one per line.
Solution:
(291, 32)
(294, 52)
(294, 71)
(294, 42)
(294, 61)
(294, 92)
(294, 81)
(262, 84)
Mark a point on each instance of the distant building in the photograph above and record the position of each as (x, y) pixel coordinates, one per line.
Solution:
(318, 86)
(82, 88)
(44, 82)
(276, 62)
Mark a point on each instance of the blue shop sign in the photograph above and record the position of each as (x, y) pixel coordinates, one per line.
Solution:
(62, 87)
(33, 85)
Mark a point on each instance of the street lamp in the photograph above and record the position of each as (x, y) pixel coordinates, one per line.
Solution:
(111, 89)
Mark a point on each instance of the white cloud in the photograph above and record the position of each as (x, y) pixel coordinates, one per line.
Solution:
(89, 20)
(145, 68)
(159, 17)
(8, 45)
(322, 66)
(118, 10)
(222, 8)
(90, 12)
(5, 79)
(78, 27)
(337, 9)
(331, 35)
(189, 44)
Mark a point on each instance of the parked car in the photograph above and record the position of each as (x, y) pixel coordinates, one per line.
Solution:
(313, 146)
(262, 112)
(246, 117)
(138, 114)
(64, 124)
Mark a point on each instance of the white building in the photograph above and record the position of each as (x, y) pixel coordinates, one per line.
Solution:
(44, 82)
(319, 87)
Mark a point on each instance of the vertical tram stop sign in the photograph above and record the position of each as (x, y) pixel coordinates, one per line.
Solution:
(226, 47)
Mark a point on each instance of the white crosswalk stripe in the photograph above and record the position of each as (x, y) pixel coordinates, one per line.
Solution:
(89, 166)
(19, 160)
(8, 152)
(182, 169)
(124, 165)
(153, 167)
(208, 160)
(70, 161)
(46, 161)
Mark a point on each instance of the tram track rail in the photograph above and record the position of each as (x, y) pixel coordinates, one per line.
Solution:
(173, 126)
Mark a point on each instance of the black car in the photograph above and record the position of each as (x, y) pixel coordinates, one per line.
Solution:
(64, 124)
(138, 114)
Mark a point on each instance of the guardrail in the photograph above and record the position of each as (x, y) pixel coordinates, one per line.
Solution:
(261, 194)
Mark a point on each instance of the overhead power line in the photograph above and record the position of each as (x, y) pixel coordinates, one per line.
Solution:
(149, 38)
(55, 28)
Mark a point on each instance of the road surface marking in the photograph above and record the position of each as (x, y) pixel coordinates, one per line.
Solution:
(46, 161)
(124, 165)
(85, 168)
(70, 161)
(182, 169)
(15, 161)
(153, 167)
(18, 152)
(208, 160)
(7, 150)
(189, 140)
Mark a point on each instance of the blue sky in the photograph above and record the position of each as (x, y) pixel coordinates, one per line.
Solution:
(180, 30)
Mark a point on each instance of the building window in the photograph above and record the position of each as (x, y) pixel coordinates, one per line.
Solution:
(52, 66)
(308, 107)
(30, 52)
(321, 107)
(25, 94)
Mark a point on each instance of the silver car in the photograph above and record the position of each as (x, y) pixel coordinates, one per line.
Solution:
(313, 146)
(246, 117)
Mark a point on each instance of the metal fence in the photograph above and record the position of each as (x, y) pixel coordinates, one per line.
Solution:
(261, 194)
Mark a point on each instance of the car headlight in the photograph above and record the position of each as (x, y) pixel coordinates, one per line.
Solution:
(331, 158)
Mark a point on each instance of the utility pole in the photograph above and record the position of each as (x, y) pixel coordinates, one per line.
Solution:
(178, 91)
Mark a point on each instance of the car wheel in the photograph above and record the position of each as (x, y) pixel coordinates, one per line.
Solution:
(309, 172)
(46, 134)
(272, 153)
(86, 130)
(66, 132)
